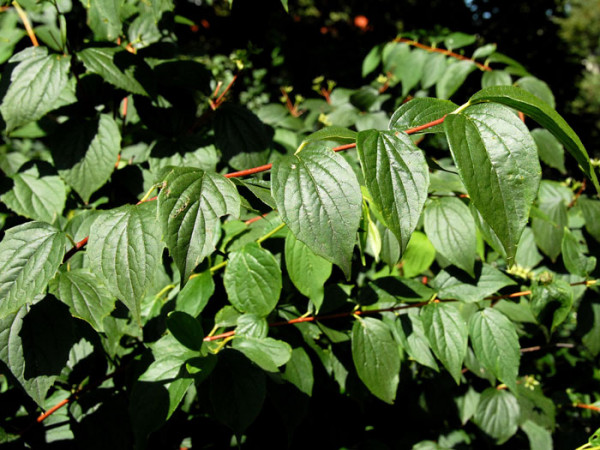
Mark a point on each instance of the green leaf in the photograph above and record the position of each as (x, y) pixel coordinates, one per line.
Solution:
(371, 61)
(497, 414)
(195, 294)
(485, 51)
(573, 256)
(433, 69)
(242, 138)
(496, 345)
(29, 257)
(125, 251)
(338, 134)
(538, 88)
(458, 40)
(550, 150)
(535, 406)
(299, 371)
(253, 280)
(86, 296)
(85, 153)
(447, 334)
(237, 390)
(527, 253)
(268, 353)
(252, 325)
(467, 405)
(451, 229)
(115, 65)
(549, 229)
(376, 357)
(104, 18)
(538, 436)
(591, 211)
(397, 177)
(454, 76)
(308, 271)
(495, 78)
(418, 256)
(190, 205)
(36, 84)
(455, 284)
(498, 164)
(412, 336)
(319, 199)
(420, 111)
(36, 197)
(186, 329)
(543, 114)
(551, 303)
(408, 68)
(35, 343)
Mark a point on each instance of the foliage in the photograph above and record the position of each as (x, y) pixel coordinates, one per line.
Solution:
(186, 262)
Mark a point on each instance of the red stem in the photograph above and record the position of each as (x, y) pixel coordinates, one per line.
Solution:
(219, 100)
(52, 410)
(585, 406)
(443, 51)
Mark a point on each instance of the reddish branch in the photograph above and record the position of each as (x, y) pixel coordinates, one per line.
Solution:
(442, 51)
(586, 406)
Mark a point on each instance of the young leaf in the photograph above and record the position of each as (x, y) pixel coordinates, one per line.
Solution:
(447, 334)
(190, 205)
(376, 357)
(495, 78)
(86, 296)
(253, 280)
(85, 153)
(267, 353)
(319, 199)
(451, 229)
(125, 251)
(543, 114)
(29, 257)
(397, 177)
(538, 88)
(420, 111)
(371, 61)
(498, 164)
(538, 436)
(496, 345)
(36, 84)
(497, 414)
(252, 325)
(308, 271)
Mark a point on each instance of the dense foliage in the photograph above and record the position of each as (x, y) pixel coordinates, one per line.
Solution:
(191, 257)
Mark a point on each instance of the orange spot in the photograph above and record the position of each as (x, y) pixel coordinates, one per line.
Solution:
(324, 30)
(205, 23)
(296, 18)
(194, 28)
(361, 22)
(424, 280)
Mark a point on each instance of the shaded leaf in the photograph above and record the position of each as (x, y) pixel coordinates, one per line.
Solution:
(497, 414)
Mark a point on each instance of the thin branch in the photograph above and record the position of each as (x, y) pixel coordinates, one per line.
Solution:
(586, 406)
(442, 51)
(23, 15)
